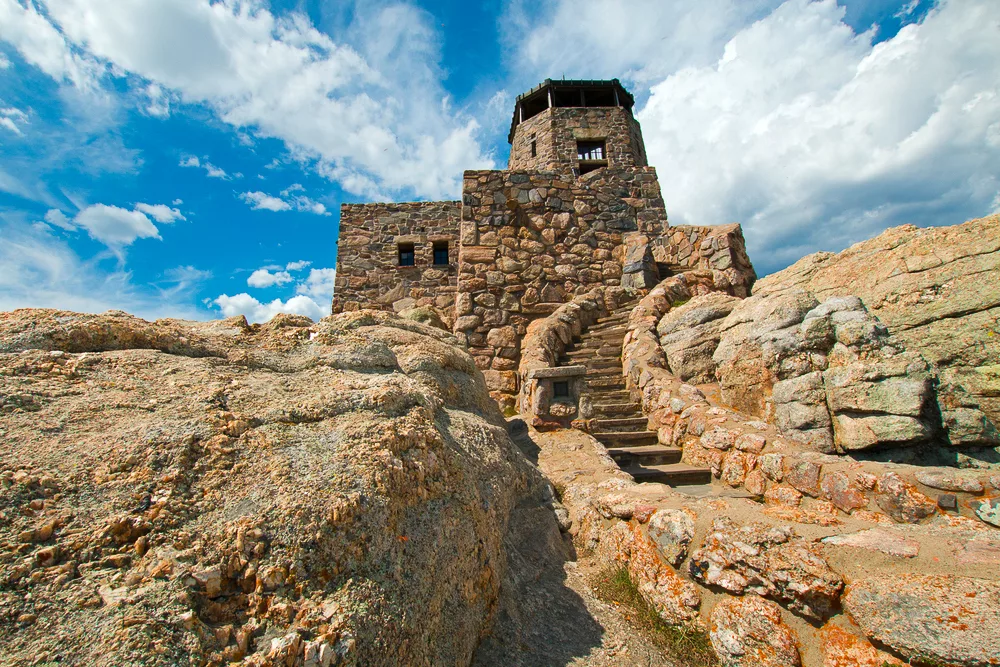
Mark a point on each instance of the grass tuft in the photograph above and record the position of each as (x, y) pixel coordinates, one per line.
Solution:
(689, 645)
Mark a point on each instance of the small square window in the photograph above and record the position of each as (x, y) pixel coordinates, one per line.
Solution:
(590, 151)
(441, 252)
(406, 255)
(560, 389)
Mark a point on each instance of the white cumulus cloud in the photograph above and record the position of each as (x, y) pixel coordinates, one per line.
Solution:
(114, 226)
(366, 107)
(255, 311)
(814, 138)
(264, 278)
(318, 285)
(263, 201)
(298, 265)
(289, 200)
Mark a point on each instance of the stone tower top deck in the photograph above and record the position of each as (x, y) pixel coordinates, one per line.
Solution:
(575, 126)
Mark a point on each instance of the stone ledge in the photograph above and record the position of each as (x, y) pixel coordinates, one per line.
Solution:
(558, 372)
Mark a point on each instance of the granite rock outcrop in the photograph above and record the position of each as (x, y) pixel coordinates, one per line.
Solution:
(331, 493)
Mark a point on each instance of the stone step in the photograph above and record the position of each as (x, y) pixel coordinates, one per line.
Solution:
(610, 383)
(645, 455)
(600, 328)
(603, 362)
(618, 409)
(673, 474)
(579, 356)
(603, 397)
(616, 316)
(611, 371)
(605, 348)
(622, 424)
(617, 332)
(626, 438)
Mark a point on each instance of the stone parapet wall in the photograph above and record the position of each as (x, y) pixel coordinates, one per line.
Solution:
(368, 271)
(555, 132)
(530, 242)
(720, 249)
(801, 585)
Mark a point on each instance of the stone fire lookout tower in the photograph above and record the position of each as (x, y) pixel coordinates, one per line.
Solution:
(577, 208)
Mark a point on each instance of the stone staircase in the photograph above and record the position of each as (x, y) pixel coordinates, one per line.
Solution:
(618, 421)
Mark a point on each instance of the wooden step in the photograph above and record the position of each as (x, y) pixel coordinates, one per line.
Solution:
(645, 455)
(674, 474)
(626, 438)
(640, 423)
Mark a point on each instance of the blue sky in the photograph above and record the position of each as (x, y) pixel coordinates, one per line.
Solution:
(186, 159)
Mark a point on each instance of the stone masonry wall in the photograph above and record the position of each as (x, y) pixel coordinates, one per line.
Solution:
(720, 250)
(556, 130)
(530, 242)
(368, 271)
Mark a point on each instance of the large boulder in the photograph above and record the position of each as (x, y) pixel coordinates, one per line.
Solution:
(288, 493)
(749, 632)
(768, 561)
(941, 620)
(689, 334)
(938, 291)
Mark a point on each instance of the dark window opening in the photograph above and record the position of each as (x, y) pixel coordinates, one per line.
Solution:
(592, 155)
(406, 255)
(560, 389)
(441, 252)
(533, 106)
(534, 149)
(590, 150)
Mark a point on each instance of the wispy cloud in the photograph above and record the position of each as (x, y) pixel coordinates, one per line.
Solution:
(40, 270)
(10, 117)
(192, 161)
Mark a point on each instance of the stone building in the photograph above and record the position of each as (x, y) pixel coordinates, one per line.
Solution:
(578, 207)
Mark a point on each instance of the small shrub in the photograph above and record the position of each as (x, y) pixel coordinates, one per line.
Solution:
(689, 645)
